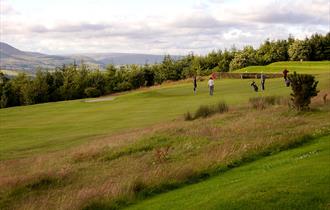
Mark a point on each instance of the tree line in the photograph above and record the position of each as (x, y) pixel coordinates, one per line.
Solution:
(73, 82)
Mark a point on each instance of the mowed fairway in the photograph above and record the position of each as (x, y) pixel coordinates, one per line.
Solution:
(48, 127)
(294, 179)
(306, 67)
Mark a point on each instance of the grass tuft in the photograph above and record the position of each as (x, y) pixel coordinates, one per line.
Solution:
(261, 103)
(205, 111)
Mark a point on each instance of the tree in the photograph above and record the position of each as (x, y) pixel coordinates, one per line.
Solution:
(40, 88)
(304, 88)
(168, 68)
(226, 58)
(243, 58)
(137, 77)
(110, 78)
(318, 47)
(149, 76)
(299, 50)
(272, 51)
(8, 96)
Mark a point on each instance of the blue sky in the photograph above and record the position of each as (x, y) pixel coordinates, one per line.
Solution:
(154, 26)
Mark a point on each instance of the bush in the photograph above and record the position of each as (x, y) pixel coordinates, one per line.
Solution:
(303, 88)
(92, 92)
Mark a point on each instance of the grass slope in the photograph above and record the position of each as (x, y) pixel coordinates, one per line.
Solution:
(294, 179)
(306, 67)
(42, 128)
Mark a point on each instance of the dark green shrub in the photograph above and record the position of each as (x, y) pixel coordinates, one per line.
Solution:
(303, 88)
(92, 92)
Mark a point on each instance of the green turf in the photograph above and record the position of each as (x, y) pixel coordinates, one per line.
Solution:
(294, 179)
(47, 127)
(310, 67)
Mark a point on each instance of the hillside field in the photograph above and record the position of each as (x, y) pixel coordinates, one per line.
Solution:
(48, 127)
(127, 151)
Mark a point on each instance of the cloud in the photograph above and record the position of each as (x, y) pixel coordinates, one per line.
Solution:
(206, 25)
(291, 18)
(291, 12)
(201, 21)
(69, 28)
(6, 8)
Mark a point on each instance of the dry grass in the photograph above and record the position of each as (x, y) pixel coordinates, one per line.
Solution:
(150, 160)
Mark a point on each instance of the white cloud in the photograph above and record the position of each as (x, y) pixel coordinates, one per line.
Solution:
(199, 27)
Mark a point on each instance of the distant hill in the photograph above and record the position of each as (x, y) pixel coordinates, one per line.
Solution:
(15, 59)
(126, 58)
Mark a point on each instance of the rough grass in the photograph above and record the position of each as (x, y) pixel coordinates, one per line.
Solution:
(117, 170)
(206, 111)
(264, 102)
(294, 179)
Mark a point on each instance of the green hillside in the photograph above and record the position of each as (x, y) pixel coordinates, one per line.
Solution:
(136, 145)
(46, 127)
(294, 179)
(310, 67)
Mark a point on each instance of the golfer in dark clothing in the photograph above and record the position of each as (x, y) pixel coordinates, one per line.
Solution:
(195, 84)
(254, 85)
(262, 78)
(285, 74)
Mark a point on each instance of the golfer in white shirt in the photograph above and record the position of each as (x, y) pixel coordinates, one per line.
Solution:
(211, 86)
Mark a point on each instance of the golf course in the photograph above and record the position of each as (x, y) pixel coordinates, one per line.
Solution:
(135, 149)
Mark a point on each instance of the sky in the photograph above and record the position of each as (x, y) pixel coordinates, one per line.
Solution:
(176, 27)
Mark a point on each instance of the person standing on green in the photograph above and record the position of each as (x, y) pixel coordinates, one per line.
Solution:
(195, 84)
(211, 85)
(262, 79)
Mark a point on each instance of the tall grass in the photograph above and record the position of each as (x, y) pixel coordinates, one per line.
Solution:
(207, 110)
(264, 102)
(117, 170)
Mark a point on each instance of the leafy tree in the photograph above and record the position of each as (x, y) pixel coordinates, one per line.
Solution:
(168, 68)
(304, 88)
(160, 76)
(326, 52)
(318, 47)
(244, 58)
(149, 76)
(8, 96)
(110, 78)
(226, 58)
(137, 77)
(39, 87)
(299, 50)
(92, 92)
(272, 51)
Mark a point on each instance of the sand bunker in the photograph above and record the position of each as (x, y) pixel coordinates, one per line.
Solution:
(100, 99)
